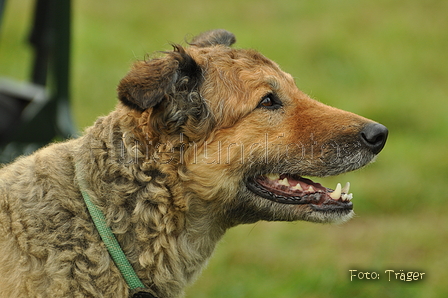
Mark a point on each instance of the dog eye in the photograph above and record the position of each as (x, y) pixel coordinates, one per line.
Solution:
(270, 102)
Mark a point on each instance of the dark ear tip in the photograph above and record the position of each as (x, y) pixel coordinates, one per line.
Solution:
(214, 37)
(138, 89)
(126, 98)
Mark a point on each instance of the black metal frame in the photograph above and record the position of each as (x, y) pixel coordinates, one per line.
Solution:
(51, 119)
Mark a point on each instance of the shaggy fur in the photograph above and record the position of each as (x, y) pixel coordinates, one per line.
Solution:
(170, 168)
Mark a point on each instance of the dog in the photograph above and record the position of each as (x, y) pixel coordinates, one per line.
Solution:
(204, 137)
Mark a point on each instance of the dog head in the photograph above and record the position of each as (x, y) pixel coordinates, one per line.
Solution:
(242, 137)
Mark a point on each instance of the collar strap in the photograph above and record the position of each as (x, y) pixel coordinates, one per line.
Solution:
(112, 244)
(114, 249)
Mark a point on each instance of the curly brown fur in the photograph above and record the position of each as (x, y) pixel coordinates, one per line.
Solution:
(171, 169)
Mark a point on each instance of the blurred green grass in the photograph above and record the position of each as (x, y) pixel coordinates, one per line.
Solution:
(385, 60)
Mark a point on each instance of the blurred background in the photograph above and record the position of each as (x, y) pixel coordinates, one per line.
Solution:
(385, 60)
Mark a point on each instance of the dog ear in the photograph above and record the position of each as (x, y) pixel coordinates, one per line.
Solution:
(148, 83)
(214, 37)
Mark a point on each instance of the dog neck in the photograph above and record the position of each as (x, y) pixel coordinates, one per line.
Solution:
(151, 228)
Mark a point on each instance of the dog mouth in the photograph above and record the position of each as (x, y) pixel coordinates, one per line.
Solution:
(297, 190)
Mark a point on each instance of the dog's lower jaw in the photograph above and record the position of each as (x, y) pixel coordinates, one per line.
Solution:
(337, 217)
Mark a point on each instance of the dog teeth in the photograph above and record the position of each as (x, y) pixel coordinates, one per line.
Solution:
(346, 188)
(336, 194)
(341, 192)
(297, 187)
(347, 197)
(284, 182)
(273, 176)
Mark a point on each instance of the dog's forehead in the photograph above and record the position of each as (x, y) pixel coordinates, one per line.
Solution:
(226, 57)
(243, 64)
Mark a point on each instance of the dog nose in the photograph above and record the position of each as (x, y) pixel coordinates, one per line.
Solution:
(374, 136)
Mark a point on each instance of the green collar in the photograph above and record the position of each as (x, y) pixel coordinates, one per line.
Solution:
(112, 245)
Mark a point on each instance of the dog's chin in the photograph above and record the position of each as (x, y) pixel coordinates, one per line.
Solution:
(293, 197)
